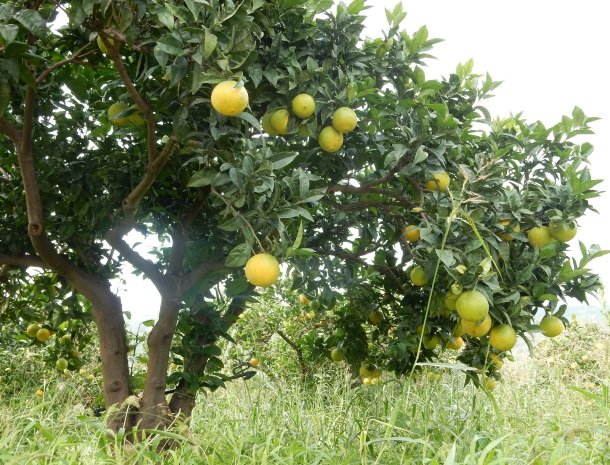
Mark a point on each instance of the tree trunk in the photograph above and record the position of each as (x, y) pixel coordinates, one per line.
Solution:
(154, 412)
(108, 316)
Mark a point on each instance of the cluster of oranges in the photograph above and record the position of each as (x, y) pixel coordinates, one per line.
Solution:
(230, 99)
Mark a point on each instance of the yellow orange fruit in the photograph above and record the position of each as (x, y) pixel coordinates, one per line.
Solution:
(229, 99)
(262, 270)
(254, 362)
(477, 328)
(418, 276)
(369, 370)
(345, 120)
(505, 236)
(563, 231)
(551, 326)
(120, 114)
(43, 334)
(458, 330)
(330, 139)
(502, 338)
(303, 106)
(455, 343)
(279, 121)
(411, 233)
(32, 330)
(495, 360)
(472, 306)
(539, 236)
(266, 124)
(439, 182)
(337, 354)
(102, 46)
(39, 393)
(490, 384)
(375, 317)
(430, 342)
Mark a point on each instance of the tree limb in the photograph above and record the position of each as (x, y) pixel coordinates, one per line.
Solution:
(149, 116)
(132, 201)
(61, 63)
(150, 270)
(23, 261)
(11, 131)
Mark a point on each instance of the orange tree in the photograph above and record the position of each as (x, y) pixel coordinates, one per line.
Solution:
(111, 121)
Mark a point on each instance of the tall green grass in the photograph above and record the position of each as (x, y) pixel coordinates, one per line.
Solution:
(545, 412)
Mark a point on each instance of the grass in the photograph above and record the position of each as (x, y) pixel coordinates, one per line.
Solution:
(533, 417)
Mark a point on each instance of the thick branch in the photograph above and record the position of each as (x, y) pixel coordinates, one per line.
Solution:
(23, 261)
(176, 258)
(149, 116)
(147, 267)
(11, 131)
(132, 201)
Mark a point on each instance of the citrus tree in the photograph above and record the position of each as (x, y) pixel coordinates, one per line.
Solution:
(244, 134)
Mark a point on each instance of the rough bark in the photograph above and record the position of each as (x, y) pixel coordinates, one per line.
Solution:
(108, 316)
(154, 412)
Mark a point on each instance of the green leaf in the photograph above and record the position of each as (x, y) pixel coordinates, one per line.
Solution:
(446, 256)
(288, 213)
(287, 158)
(239, 255)
(166, 18)
(420, 155)
(355, 7)
(32, 21)
(211, 350)
(202, 178)
(170, 45)
(209, 44)
(247, 117)
(8, 32)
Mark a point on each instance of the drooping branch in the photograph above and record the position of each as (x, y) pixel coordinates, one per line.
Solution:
(11, 131)
(361, 205)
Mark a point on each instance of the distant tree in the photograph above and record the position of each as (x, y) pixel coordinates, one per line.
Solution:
(107, 126)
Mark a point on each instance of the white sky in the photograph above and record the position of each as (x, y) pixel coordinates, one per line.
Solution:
(551, 55)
